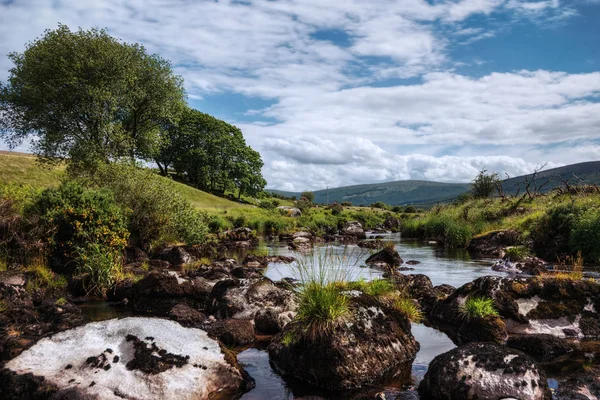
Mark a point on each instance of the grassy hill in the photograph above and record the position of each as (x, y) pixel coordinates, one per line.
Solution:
(24, 169)
(425, 193)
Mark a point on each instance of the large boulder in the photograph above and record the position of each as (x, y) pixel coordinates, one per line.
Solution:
(270, 321)
(581, 386)
(543, 348)
(560, 307)
(232, 332)
(290, 211)
(241, 299)
(387, 258)
(354, 229)
(492, 243)
(141, 358)
(176, 255)
(483, 371)
(159, 292)
(373, 343)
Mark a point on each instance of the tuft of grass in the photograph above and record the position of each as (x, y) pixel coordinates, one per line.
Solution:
(44, 278)
(376, 287)
(321, 309)
(478, 307)
(407, 306)
(572, 268)
(516, 253)
(61, 302)
(3, 306)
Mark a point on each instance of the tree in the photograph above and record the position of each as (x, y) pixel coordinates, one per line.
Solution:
(88, 97)
(211, 154)
(484, 184)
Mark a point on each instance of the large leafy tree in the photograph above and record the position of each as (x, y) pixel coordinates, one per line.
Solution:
(210, 154)
(87, 97)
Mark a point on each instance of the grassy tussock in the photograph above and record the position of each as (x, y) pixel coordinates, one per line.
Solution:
(478, 307)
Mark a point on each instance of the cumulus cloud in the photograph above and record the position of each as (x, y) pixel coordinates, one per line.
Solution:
(337, 119)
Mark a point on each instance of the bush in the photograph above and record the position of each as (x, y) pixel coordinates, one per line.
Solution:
(484, 184)
(397, 209)
(478, 307)
(410, 209)
(217, 224)
(98, 267)
(273, 226)
(585, 236)
(156, 209)
(73, 217)
(516, 253)
(310, 196)
(336, 209)
(303, 204)
(380, 204)
(269, 204)
(346, 204)
(551, 233)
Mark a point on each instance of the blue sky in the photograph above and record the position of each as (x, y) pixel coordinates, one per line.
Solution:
(337, 92)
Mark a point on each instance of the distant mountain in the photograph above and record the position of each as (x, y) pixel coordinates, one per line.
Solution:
(427, 193)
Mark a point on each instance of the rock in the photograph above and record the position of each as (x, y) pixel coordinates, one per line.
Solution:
(533, 266)
(232, 332)
(187, 316)
(233, 298)
(290, 211)
(355, 229)
(158, 293)
(582, 386)
(388, 256)
(489, 329)
(543, 348)
(560, 307)
(240, 234)
(372, 343)
(176, 255)
(135, 255)
(301, 234)
(247, 273)
(492, 244)
(372, 244)
(270, 322)
(413, 262)
(12, 279)
(483, 371)
(391, 223)
(139, 358)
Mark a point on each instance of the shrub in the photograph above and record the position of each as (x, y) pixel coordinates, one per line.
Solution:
(273, 226)
(73, 217)
(42, 277)
(516, 253)
(303, 204)
(98, 267)
(336, 209)
(240, 221)
(407, 306)
(269, 204)
(397, 209)
(157, 210)
(380, 204)
(484, 184)
(346, 204)
(217, 224)
(310, 196)
(551, 233)
(478, 307)
(410, 209)
(585, 236)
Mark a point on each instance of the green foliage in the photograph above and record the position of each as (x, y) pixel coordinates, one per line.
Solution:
(381, 205)
(304, 204)
(217, 224)
(484, 184)
(552, 231)
(407, 306)
(478, 307)
(336, 209)
(273, 227)
(88, 97)
(346, 204)
(98, 267)
(41, 277)
(73, 217)
(410, 209)
(376, 287)
(308, 195)
(211, 155)
(269, 204)
(585, 236)
(516, 253)
(156, 209)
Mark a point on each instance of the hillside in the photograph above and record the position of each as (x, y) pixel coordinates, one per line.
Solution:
(394, 193)
(23, 169)
(425, 193)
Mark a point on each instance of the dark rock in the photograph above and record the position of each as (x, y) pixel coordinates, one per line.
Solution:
(158, 293)
(582, 386)
(413, 262)
(247, 273)
(354, 229)
(232, 332)
(290, 211)
(241, 235)
(176, 255)
(484, 371)
(490, 329)
(533, 266)
(233, 298)
(372, 244)
(492, 244)
(187, 316)
(135, 255)
(543, 348)
(373, 342)
(387, 256)
(391, 223)
(270, 322)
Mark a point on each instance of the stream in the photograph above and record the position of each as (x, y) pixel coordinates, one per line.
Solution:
(441, 266)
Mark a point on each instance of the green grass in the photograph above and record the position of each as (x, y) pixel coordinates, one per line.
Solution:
(23, 169)
(407, 306)
(516, 253)
(478, 307)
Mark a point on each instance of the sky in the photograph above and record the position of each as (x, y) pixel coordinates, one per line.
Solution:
(342, 92)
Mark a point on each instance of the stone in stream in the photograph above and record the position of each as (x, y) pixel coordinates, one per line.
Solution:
(560, 307)
(372, 343)
(543, 348)
(483, 371)
(387, 258)
(582, 386)
(141, 358)
(354, 229)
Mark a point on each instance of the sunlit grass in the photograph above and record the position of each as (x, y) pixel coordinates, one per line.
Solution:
(478, 307)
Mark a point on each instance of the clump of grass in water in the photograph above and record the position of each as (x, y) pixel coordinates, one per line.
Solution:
(478, 307)
(573, 268)
(322, 305)
(516, 253)
(407, 306)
